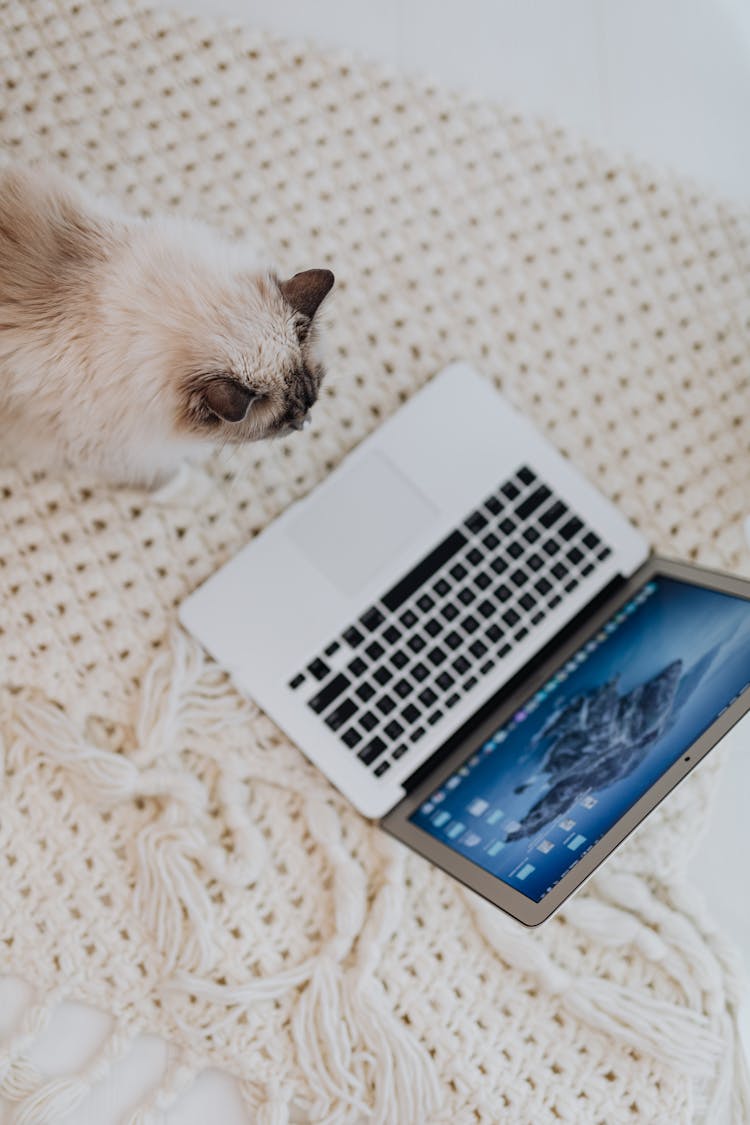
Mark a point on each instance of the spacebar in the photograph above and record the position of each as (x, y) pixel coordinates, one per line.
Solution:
(422, 571)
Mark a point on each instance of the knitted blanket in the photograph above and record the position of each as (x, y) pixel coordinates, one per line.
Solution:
(165, 853)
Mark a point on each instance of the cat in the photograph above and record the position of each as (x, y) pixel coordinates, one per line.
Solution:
(128, 344)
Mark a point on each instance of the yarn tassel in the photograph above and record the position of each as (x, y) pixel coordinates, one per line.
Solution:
(678, 1036)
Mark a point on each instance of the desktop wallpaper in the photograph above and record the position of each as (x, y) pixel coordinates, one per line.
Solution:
(537, 794)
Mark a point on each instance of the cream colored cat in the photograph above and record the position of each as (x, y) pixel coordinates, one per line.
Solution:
(128, 344)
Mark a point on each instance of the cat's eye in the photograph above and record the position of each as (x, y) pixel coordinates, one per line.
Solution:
(227, 398)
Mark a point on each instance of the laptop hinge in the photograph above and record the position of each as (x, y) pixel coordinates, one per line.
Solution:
(496, 701)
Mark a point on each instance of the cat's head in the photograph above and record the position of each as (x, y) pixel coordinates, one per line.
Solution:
(251, 369)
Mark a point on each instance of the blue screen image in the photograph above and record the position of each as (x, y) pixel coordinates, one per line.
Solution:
(537, 794)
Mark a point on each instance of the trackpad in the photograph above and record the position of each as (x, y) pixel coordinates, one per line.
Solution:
(357, 523)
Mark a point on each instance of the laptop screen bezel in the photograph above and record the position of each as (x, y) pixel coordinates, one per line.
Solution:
(525, 910)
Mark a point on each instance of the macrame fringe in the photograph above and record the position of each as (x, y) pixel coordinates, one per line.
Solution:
(680, 1037)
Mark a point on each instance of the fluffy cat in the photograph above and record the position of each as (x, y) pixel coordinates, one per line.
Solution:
(129, 344)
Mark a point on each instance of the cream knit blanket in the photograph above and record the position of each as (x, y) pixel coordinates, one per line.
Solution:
(166, 854)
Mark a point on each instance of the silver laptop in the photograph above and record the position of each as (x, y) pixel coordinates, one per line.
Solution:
(470, 641)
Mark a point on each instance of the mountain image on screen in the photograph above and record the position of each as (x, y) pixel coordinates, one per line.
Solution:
(600, 736)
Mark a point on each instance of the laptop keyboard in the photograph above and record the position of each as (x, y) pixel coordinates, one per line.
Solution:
(429, 640)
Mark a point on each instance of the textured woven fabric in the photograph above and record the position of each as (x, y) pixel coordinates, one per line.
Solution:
(165, 853)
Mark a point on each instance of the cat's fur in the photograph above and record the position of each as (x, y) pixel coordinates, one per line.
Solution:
(128, 344)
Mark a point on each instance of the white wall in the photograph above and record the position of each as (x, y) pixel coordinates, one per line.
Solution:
(666, 79)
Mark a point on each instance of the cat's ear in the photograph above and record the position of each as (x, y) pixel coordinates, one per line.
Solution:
(306, 291)
(226, 398)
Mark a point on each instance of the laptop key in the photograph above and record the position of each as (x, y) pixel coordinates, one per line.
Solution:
(382, 675)
(534, 562)
(297, 681)
(410, 713)
(427, 697)
(340, 714)
(452, 640)
(494, 633)
(436, 655)
(368, 720)
(452, 700)
(402, 688)
(575, 555)
(461, 665)
(417, 733)
(493, 505)
(365, 691)
(391, 634)
(449, 612)
(394, 729)
(487, 667)
(474, 556)
(331, 691)
(351, 737)
(425, 603)
(503, 592)
(319, 669)
(399, 659)
(499, 565)
(381, 769)
(519, 578)
(372, 750)
(527, 602)
(477, 648)
(526, 475)
(482, 580)
(385, 704)
(591, 540)
(571, 528)
(510, 617)
(510, 490)
(490, 541)
(507, 525)
(408, 618)
(555, 512)
(538, 497)
(444, 681)
(466, 596)
(441, 587)
(374, 650)
(486, 608)
(416, 643)
(559, 570)
(372, 618)
(476, 522)
(420, 672)
(400, 751)
(356, 667)
(458, 571)
(435, 717)
(353, 637)
(531, 534)
(515, 550)
(433, 627)
(543, 585)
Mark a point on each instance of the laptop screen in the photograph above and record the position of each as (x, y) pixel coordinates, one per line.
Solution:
(537, 794)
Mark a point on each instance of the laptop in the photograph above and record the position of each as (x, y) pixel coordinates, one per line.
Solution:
(478, 649)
